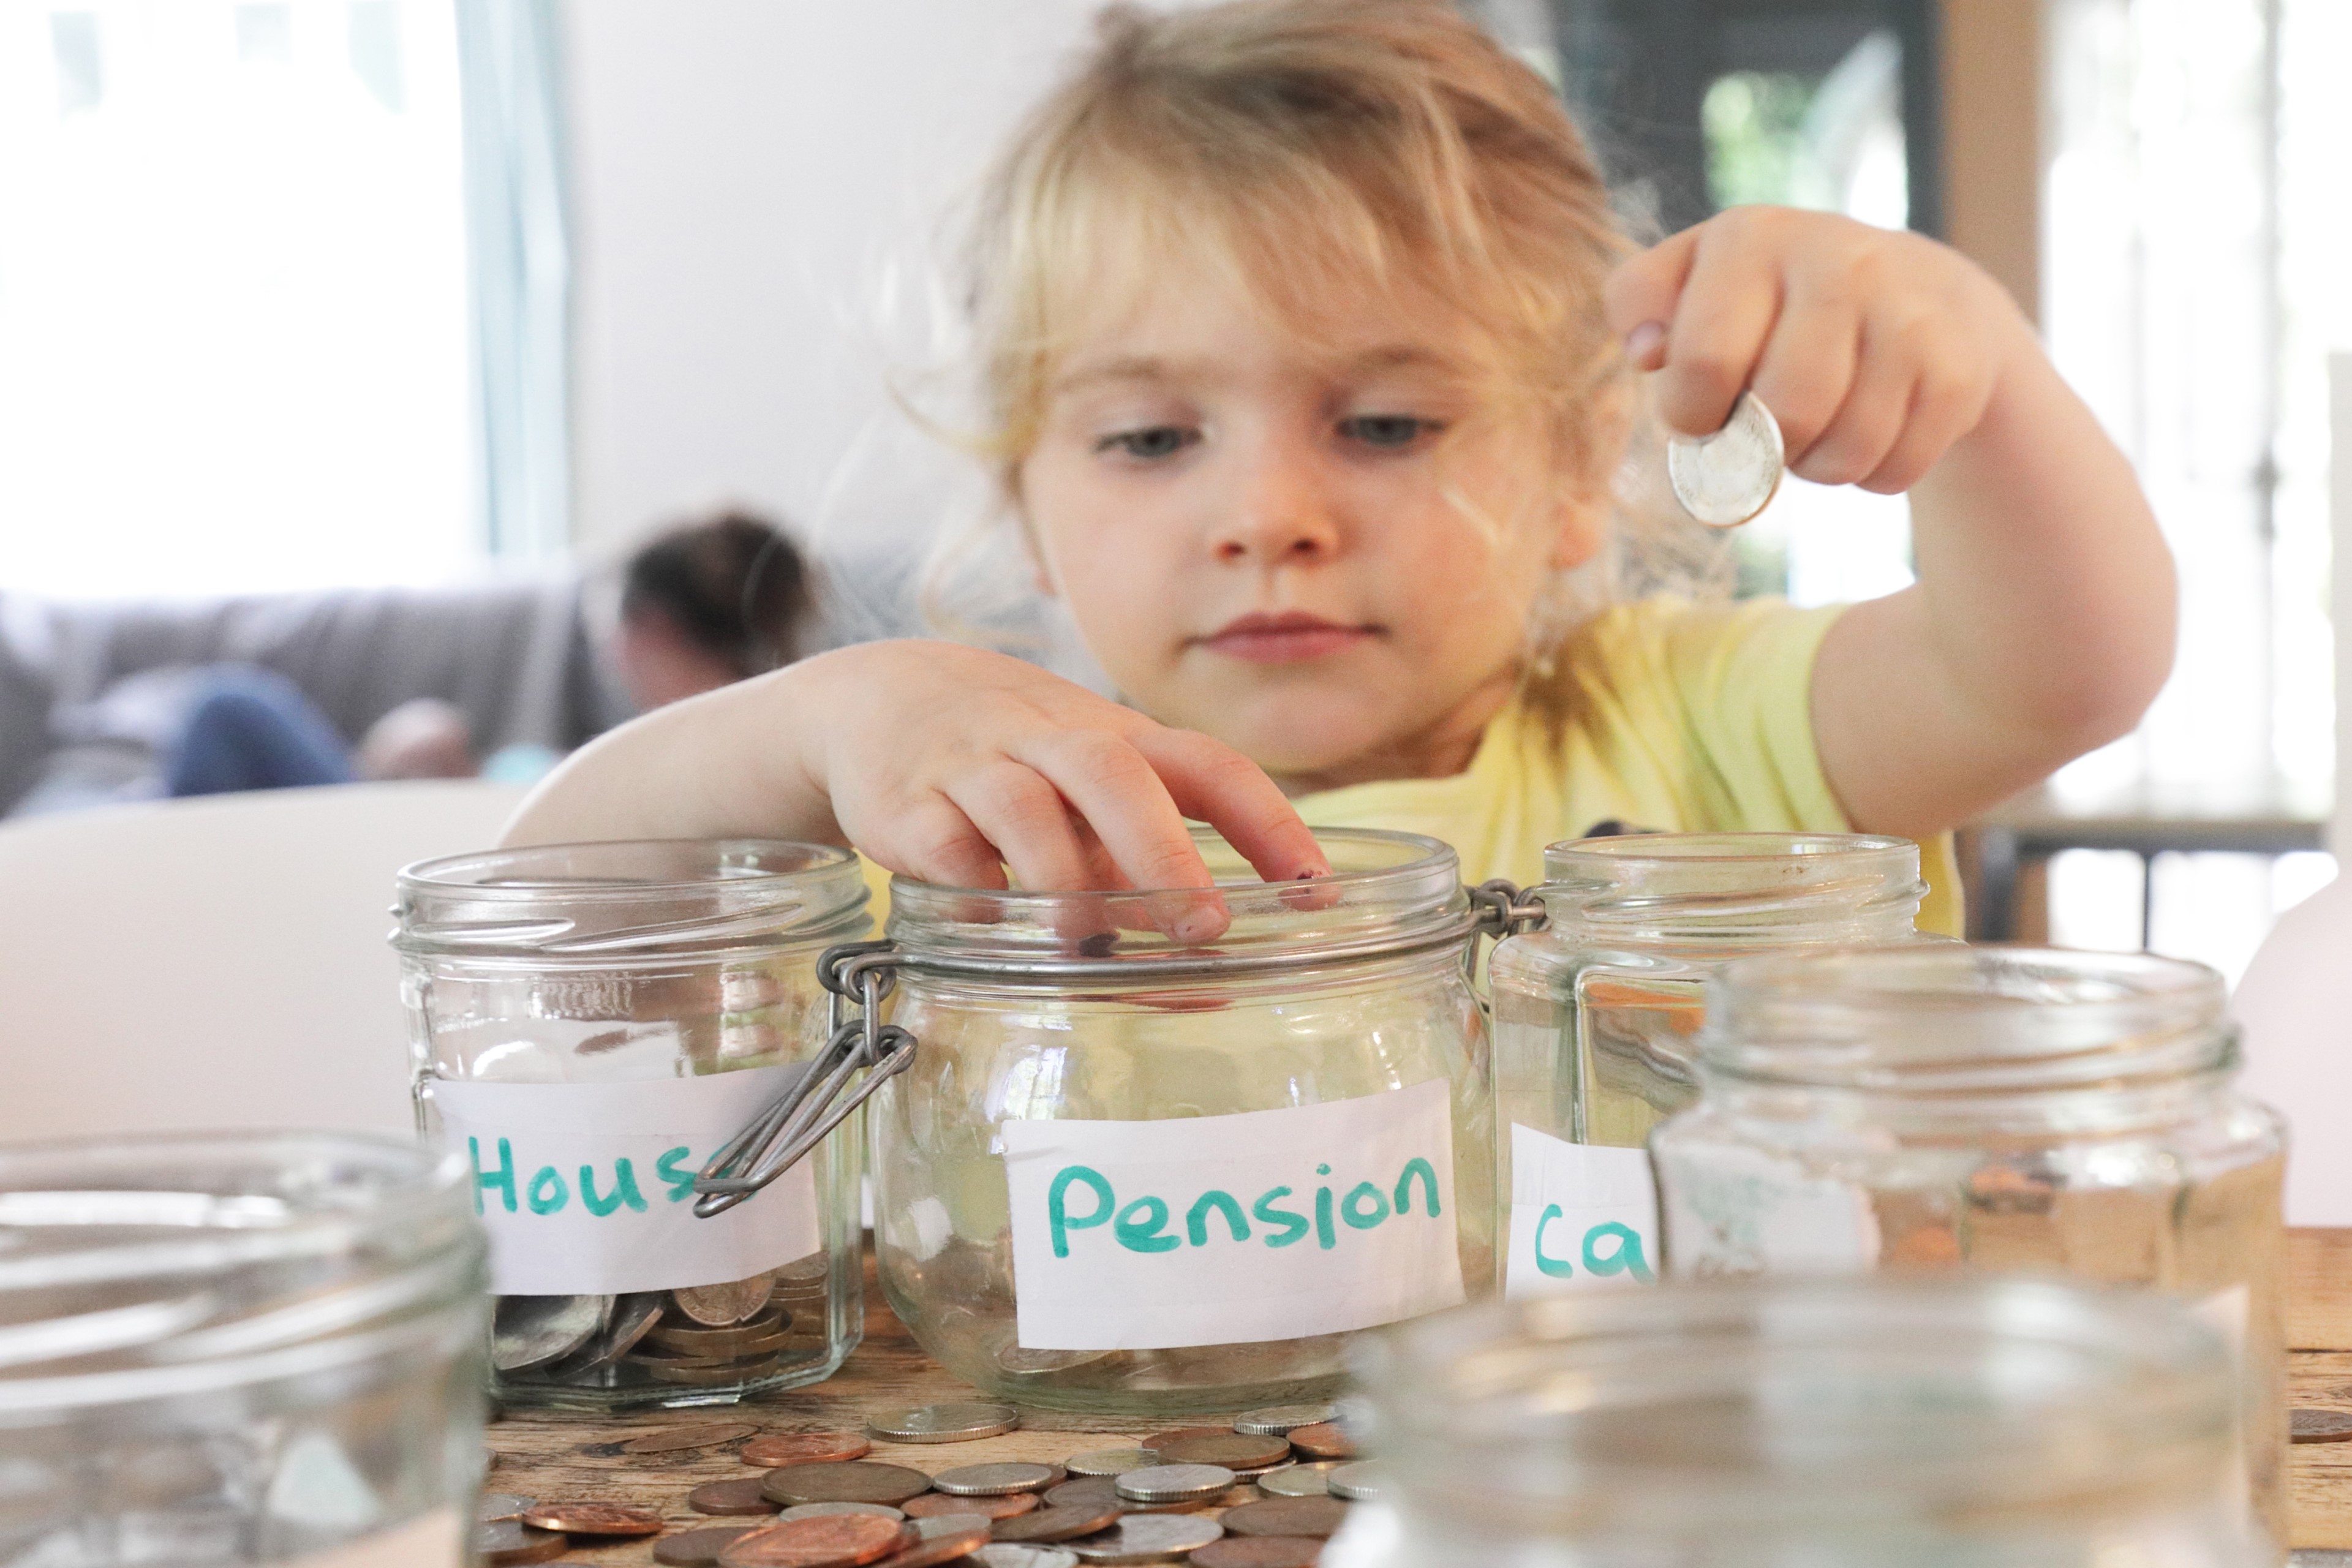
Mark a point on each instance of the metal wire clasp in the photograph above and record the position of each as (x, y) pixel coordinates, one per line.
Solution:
(1503, 909)
(822, 1097)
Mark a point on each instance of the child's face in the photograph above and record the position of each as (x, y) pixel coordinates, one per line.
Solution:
(1325, 557)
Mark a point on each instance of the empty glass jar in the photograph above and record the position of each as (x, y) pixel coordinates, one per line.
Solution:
(589, 1025)
(218, 1351)
(1938, 1106)
(1126, 1173)
(1595, 1011)
(1802, 1423)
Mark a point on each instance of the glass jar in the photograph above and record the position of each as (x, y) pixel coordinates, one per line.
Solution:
(220, 1350)
(1595, 1011)
(1802, 1423)
(1118, 1172)
(589, 1025)
(1991, 1108)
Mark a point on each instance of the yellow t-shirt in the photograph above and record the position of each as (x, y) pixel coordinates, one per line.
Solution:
(1686, 717)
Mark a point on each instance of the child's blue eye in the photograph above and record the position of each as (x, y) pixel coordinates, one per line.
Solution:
(1388, 430)
(1152, 442)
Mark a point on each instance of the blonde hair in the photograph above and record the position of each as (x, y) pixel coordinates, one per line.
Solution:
(1316, 145)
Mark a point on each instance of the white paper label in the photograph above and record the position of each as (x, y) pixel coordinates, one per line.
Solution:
(588, 1188)
(1582, 1215)
(1730, 1210)
(430, 1541)
(1268, 1225)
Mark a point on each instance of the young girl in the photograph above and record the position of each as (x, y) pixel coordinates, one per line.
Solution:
(1311, 350)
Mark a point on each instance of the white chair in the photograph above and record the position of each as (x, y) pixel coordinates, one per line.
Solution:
(2295, 1006)
(216, 962)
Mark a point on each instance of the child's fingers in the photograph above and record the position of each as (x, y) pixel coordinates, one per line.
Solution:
(933, 841)
(1024, 817)
(1808, 367)
(1110, 784)
(1644, 288)
(1212, 783)
(1718, 333)
(1868, 422)
(1946, 404)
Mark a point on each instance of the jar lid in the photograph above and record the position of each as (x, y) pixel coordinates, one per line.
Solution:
(136, 1269)
(629, 898)
(1943, 1018)
(1735, 887)
(1388, 893)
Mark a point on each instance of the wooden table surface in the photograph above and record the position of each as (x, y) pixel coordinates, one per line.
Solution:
(550, 1456)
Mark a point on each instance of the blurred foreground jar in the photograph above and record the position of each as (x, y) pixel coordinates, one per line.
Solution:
(1992, 1107)
(588, 1025)
(1118, 1172)
(1821, 1423)
(1595, 1011)
(220, 1350)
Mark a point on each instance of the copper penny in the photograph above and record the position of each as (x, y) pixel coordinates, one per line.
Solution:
(740, 1496)
(778, 1449)
(504, 1541)
(2305, 1424)
(1056, 1521)
(946, 1539)
(1287, 1516)
(832, 1541)
(850, 1480)
(707, 1435)
(1151, 1444)
(1259, 1551)
(698, 1548)
(1234, 1450)
(594, 1519)
(934, 1504)
(1324, 1440)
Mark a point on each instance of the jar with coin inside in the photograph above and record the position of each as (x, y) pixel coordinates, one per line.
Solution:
(229, 1350)
(1856, 1423)
(1943, 1107)
(589, 1025)
(1155, 1152)
(1597, 1005)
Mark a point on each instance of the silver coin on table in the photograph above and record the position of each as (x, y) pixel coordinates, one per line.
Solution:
(1274, 1420)
(493, 1507)
(1019, 1554)
(529, 1332)
(1358, 1481)
(819, 1510)
(725, 1305)
(1309, 1479)
(1725, 479)
(1148, 1538)
(957, 1421)
(1173, 1483)
(1109, 1461)
(996, 1480)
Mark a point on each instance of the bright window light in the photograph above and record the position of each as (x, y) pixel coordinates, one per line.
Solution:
(232, 330)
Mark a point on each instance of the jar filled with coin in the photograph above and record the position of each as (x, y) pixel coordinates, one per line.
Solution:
(222, 1351)
(1596, 1008)
(1835, 1422)
(1167, 1151)
(1944, 1107)
(588, 1025)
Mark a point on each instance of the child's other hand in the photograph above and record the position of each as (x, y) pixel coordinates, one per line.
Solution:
(949, 764)
(1875, 350)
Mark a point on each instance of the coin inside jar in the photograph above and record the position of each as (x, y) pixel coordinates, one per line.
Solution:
(767, 1331)
(725, 1306)
(1173, 1483)
(955, 1421)
(990, 1480)
(1234, 1450)
(529, 1332)
(849, 1480)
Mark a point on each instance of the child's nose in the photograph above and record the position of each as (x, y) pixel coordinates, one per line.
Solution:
(1281, 516)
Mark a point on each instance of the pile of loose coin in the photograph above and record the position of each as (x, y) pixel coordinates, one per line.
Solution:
(1282, 1477)
(705, 1335)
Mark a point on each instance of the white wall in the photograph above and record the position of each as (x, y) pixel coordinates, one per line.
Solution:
(743, 171)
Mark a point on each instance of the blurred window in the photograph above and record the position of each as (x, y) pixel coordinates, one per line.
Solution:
(234, 332)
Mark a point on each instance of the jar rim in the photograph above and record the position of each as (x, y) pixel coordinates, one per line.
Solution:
(1947, 1019)
(1387, 892)
(628, 897)
(1717, 848)
(2050, 1389)
(1735, 889)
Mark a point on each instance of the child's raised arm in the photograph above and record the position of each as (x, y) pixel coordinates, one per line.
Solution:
(942, 761)
(2041, 623)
